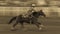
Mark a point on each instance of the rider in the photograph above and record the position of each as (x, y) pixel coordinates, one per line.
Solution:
(31, 11)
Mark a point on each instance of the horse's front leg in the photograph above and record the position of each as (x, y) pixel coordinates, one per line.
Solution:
(39, 25)
(22, 26)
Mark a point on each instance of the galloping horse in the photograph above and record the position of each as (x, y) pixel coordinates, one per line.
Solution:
(31, 19)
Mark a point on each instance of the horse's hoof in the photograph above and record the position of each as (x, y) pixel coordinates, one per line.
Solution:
(40, 28)
(13, 29)
(43, 28)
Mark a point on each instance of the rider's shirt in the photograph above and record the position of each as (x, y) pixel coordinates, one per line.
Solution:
(29, 13)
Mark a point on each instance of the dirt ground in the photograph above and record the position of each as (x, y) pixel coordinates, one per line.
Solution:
(52, 27)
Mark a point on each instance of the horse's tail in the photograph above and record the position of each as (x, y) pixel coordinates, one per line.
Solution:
(12, 20)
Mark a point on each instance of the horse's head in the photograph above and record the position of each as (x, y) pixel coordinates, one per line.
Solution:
(41, 13)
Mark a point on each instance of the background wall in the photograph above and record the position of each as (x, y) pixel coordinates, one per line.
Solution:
(13, 11)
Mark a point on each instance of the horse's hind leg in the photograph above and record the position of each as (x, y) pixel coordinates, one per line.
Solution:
(13, 27)
(12, 20)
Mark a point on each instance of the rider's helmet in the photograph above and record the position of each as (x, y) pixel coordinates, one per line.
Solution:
(32, 7)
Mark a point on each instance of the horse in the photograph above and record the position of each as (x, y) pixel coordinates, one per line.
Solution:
(31, 19)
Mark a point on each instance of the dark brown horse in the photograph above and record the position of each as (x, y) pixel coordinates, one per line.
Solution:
(31, 19)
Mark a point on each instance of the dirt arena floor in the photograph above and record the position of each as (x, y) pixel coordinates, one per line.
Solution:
(52, 26)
